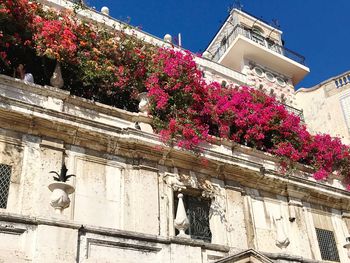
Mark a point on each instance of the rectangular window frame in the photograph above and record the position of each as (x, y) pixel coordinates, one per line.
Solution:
(5, 182)
(345, 106)
(192, 200)
(327, 245)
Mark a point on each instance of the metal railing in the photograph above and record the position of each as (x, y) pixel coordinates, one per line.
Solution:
(295, 111)
(239, 30)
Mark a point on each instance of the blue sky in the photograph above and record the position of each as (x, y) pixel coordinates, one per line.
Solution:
(316, 29)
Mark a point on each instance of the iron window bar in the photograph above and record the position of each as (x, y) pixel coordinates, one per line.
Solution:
(5, 179)
(197, 210)
(327, 245)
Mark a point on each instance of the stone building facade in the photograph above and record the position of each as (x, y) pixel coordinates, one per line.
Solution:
(136, 200)
(327, 106)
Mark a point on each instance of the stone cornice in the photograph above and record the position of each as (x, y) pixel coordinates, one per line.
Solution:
(35, 221)
(28, 109)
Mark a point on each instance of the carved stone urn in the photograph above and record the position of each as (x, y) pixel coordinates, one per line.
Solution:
(144, 102)
(60, 196)
(56, 80)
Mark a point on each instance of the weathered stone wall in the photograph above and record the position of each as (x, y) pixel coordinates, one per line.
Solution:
(283, 92)
(322, 109)
(123, 207)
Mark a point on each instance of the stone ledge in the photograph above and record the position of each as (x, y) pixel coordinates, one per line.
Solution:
(30, 220)
(289, 258)
(9, 83)
(198, 243)
(237, 159)
(17, 218)
(135, 137)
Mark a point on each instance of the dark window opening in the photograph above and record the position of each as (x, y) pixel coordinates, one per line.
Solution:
(5, 178)
(336, 83)
(223, 41)
(327, 245)
(197, 210)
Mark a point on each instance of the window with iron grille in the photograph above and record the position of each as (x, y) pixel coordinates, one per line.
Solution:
(5, 177)
(328, 247)
(197, 210)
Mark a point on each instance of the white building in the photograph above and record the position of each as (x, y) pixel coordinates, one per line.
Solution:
(127, 205)
(327, 106)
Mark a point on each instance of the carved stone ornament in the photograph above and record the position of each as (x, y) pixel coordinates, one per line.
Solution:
(173, 181)
(56, 80)
(282, 240)
(178, 183)
(181, 221)
(59, 197)
(143, 102)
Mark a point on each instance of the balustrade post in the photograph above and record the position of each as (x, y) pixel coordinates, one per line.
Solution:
(181, 221)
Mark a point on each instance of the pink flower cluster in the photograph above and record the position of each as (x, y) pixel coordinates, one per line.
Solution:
(187, 110)
(114, 67)
(178, 94)
(55, 38)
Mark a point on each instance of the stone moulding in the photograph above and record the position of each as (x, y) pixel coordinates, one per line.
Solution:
(10, 218)
(249, 255)
(8, 229)
(29, 106)
(123, 245)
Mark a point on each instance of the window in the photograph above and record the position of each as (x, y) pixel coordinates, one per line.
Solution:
(273, 46)
(257, 35)
(337, 84)
(270, 76)
(223, 84)
(223, 41)
(345, 104)
(259, 72)
(257, 30)
(281, 81)
(197, 210)
(327, 245)
(5, 176)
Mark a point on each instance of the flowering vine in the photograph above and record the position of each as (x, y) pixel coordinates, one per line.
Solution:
(187, 110)
(112, 67)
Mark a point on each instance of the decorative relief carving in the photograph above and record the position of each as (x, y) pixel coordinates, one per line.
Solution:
(218, 206)
(294, 201)
(192, 180)
(209, 190)
(292, 206)
(173, 180)
(282, 240)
